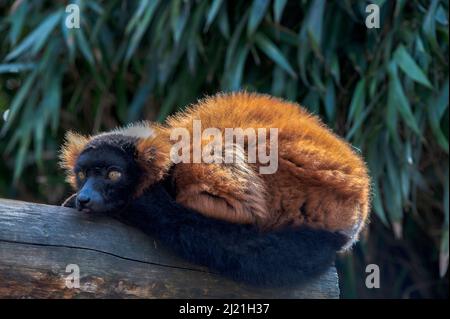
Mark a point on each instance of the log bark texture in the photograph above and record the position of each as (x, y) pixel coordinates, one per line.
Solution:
(39, 244)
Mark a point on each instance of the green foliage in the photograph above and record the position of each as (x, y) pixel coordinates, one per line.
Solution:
(386, 90)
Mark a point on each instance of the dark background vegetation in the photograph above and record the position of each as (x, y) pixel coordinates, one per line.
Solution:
(385, 90)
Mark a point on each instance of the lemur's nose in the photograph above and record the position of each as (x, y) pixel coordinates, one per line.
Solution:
(83, 199)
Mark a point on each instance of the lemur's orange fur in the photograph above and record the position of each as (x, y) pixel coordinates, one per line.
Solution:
(320, 181)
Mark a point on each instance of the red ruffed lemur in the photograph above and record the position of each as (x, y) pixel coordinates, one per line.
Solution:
(269, 229)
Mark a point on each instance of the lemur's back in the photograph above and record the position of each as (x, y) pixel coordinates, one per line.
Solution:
(246, 110)
(320, 180)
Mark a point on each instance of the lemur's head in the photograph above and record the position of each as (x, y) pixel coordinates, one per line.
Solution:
(110, 169)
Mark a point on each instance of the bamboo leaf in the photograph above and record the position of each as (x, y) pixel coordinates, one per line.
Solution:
(409, 66)
(314, 23)
(274, 53)
(233, 78)
(441, 104)
(302, 55)
(232, 45)
(278, 82)
(330, 101)
(141, 96)
(394, 205)
(212, 13)
(335, 69)
(20, 158)
(435, 113)
(257, 12)
(35, 40)
(444, 251)
(144, 4)
(397, 97)
(16, 67)
(17, 21)
(224, 25)
(69, 39)
(429, 24)
(84, 46)
(278, 8)
(311, 102)
(179, 16)
(18, 101)
(378, 206)
(358, 100)
(52, 99)
(141, 28)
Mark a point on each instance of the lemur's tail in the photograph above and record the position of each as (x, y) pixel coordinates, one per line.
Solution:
(241, 252)
(282, 258)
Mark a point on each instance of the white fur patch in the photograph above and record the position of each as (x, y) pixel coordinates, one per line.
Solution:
(140, 130)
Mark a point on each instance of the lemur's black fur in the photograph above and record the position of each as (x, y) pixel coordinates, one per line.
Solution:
(241, 252)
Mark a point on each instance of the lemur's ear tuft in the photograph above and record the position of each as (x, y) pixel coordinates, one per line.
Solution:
(153, 156)
(73, 145)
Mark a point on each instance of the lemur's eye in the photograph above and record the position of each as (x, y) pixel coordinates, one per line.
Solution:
(81, 176)
(114, 175)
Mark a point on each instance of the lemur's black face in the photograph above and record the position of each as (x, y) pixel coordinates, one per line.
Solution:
(106, 178)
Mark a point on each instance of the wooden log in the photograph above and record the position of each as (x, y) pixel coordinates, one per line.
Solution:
(38, 242)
